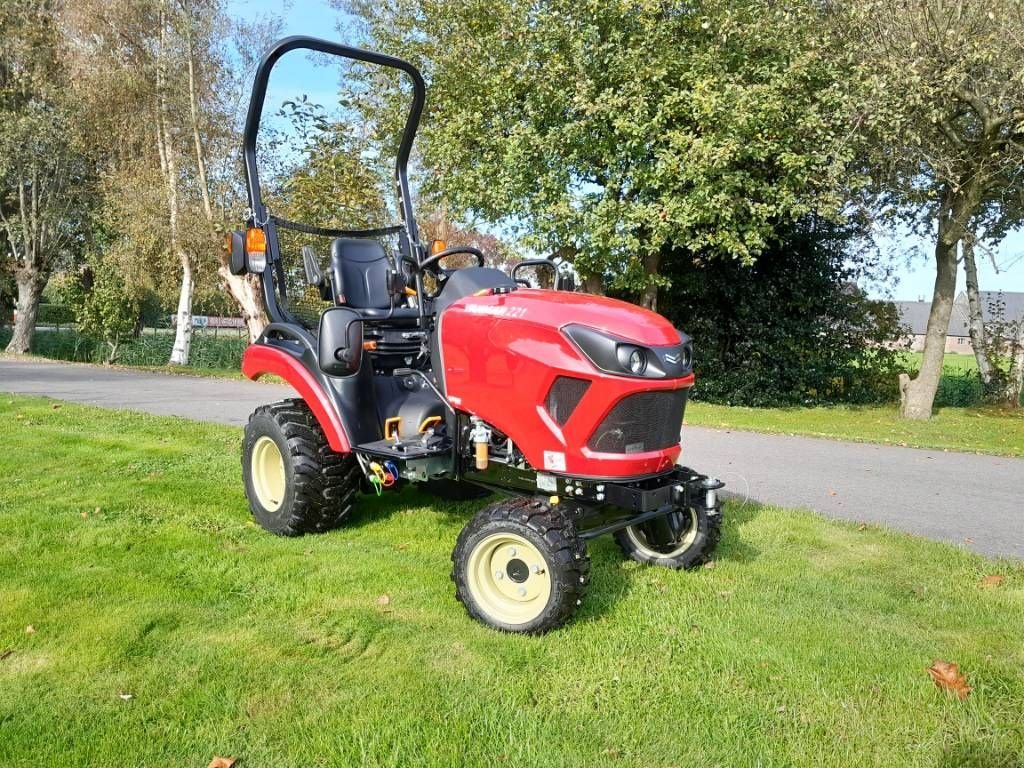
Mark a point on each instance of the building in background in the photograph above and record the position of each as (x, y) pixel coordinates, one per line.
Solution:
(914, 316)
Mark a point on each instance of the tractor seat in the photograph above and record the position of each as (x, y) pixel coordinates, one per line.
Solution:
(359, 273)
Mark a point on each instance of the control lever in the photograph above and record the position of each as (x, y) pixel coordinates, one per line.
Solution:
(314, 276)
(310, 261)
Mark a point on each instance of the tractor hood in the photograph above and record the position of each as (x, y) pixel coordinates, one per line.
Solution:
(556, 309)
(515, 359)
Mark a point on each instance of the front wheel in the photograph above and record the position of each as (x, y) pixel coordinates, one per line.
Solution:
(695, 534)
(519, 566)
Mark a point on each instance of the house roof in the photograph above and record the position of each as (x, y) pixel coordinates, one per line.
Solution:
(914, 314)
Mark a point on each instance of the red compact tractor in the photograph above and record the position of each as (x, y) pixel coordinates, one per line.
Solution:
(465, 380)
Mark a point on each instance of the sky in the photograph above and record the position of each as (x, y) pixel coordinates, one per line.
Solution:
(915, 271)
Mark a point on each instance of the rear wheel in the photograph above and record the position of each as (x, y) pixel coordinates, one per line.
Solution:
(519, 566)
(294, 482)
(695, 534)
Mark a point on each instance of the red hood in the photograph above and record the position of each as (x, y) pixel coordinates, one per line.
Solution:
(558, 308)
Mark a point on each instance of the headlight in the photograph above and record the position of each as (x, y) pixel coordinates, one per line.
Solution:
(623, 357)
(637, 361)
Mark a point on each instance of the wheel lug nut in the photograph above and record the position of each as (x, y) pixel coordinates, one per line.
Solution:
(522, 591)
(537, 569)
(499, 575)
(511, 551)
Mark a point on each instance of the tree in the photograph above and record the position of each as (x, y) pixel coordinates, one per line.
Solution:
(156, 74)
(109, 311)
(793, 328)
(976, 314)
(945, 110)
(43, 185)
(607, 130)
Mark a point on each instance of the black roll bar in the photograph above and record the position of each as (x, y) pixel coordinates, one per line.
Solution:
(251, 130)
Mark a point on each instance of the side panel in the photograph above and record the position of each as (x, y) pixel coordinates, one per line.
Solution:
(259, 360)
(501, 357)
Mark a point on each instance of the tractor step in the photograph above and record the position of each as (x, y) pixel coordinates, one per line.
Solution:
(413, 449)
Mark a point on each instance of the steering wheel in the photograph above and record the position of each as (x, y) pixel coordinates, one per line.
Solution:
(433, 261)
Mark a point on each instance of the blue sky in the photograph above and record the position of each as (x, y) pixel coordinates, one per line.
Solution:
(915, 272)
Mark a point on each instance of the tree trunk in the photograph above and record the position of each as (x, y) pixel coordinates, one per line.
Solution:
(979, 340)
(30, 291)
(247, 295)
(183, 329)
(1015, 379)
(917, 396)
(168, 165)
(593, 284)
(652, 262)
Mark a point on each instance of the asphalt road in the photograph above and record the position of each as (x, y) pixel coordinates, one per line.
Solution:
(966, 499)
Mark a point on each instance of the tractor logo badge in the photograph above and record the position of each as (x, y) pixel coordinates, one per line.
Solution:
(672, 359)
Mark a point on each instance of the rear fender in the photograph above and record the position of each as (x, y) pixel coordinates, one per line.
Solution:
(263, 358)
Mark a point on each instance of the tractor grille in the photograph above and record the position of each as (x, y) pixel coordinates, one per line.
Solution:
(646, 421)
(563, 397)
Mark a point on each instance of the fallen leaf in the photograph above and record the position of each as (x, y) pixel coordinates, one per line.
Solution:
(97, 511)
(384, 600)
(993, 580)
(862, 527)
(222, 762)
(947, 676)
(709, 564)
(833, 493)
(56, 406)
(969, 540)
(5, 654)
(30, 630)
(725, 593)
(125, 696)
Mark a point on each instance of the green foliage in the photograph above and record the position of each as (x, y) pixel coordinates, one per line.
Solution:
(110, 309)
(793, 328)
(615, 128)
(55, 314)
(329, 184)
(943, 95)
(220, 351)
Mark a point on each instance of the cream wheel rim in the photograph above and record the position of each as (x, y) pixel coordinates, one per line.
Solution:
(509, 578)
(639, 538)
(268, 476)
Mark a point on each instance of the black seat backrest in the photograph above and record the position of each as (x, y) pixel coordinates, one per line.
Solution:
(359, 272)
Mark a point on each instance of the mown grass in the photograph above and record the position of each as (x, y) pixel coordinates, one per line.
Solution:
(126, 544)
(980, 430)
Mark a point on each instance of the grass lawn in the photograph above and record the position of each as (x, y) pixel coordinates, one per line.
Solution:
(126, 545)
(980, 430)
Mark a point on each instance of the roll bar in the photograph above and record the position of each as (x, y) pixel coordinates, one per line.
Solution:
(257, 208)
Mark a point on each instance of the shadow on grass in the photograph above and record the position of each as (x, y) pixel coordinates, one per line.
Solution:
(610, 582)
(733, 546)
